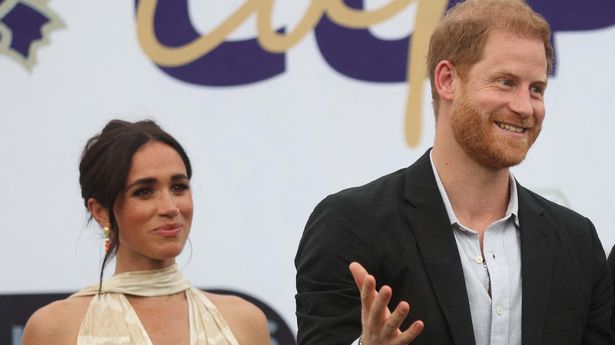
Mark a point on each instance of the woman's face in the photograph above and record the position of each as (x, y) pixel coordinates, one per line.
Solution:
(154, 211)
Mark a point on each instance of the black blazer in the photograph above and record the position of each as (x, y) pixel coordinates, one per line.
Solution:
(611, 263)
(398, 229)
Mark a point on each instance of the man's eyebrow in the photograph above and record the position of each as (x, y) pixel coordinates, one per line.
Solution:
(499, 73)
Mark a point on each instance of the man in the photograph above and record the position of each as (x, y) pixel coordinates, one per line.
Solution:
(611, 263)
(469, 255)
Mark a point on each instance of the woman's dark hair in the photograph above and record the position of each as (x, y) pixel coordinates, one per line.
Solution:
(106, 161)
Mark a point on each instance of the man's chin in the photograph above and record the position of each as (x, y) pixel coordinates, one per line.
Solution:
(500, 159)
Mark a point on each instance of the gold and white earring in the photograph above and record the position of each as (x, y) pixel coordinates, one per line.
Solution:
(107, 234)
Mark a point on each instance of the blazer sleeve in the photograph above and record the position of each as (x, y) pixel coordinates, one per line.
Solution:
(328, 305)
(611, 264)
(598, 327)
(611, 268)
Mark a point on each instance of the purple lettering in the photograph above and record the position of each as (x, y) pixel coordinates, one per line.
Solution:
(357, 54)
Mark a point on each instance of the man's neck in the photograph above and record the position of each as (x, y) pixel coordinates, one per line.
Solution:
(479, 196)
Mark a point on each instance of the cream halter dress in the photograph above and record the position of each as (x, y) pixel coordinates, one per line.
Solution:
(111, 320)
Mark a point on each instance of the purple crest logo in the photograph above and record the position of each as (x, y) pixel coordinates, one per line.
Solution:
(24, 27)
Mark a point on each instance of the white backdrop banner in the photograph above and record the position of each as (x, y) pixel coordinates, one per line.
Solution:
(278, 104)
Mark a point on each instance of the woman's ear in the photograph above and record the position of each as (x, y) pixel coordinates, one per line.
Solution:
(100, 214)
(444, 80)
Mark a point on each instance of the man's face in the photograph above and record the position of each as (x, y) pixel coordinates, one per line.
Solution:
(498, 112)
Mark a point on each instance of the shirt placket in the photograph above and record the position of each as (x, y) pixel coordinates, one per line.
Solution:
(493, 247)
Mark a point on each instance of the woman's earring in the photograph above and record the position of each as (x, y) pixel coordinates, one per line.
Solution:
(107, 234)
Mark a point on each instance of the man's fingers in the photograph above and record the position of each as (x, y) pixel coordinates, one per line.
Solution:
(358, 273)
(375, 314)
(368, 295)
(412, 332)
(367, 287)
(397, 317)
(379, 310)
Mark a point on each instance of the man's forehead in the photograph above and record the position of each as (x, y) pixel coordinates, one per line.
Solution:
(509, 52)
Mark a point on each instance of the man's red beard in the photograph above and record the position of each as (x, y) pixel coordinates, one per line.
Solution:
(475, 132)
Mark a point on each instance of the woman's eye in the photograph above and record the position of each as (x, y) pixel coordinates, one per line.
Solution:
(143, 192)
(180, 187)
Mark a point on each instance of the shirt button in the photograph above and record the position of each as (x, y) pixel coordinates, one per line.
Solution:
(479, 259)
(499, 310)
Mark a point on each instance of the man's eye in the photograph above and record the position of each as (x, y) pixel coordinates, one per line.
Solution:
(506, 82)
(537, 90)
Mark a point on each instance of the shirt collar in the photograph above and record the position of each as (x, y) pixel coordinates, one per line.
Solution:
(513, 203)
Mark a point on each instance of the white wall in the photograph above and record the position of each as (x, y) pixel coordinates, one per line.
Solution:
(264, 154)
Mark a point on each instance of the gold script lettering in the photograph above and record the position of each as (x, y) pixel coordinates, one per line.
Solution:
(428, 14)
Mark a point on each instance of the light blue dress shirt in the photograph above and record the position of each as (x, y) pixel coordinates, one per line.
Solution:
(492, 277)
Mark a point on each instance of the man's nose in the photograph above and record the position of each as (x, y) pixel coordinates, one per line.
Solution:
(521, 103)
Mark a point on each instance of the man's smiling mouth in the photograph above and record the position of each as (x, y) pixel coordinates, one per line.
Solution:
(509, 127)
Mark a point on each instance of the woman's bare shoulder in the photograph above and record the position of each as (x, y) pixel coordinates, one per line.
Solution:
(247, 321)
(57, 322)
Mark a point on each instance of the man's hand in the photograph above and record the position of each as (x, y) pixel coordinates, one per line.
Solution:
(380, 326)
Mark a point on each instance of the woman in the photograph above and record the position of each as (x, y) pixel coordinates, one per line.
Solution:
(135, 182)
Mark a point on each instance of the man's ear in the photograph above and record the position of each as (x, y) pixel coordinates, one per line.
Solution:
(100, 214)
(444, 79)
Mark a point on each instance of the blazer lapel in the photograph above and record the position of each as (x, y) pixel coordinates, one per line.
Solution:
(536, 266)
(436, 242)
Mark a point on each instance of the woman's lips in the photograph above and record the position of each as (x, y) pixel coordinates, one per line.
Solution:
(168, 230)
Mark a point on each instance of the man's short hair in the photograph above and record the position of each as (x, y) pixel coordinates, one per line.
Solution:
(461, 35)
